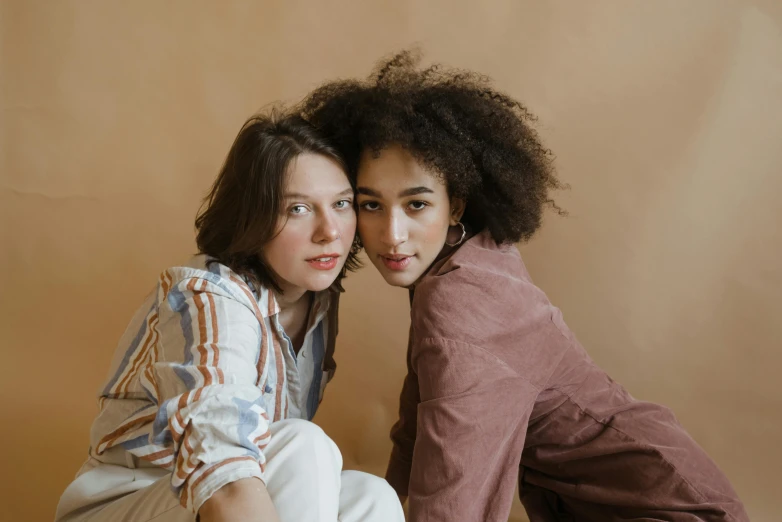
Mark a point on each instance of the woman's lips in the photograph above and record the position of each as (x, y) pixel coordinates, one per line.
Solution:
(324, 262)
(396, 262)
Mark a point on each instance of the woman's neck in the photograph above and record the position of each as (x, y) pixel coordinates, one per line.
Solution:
(290, 297)
(294, 315)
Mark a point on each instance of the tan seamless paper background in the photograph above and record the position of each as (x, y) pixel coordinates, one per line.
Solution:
(665, 117)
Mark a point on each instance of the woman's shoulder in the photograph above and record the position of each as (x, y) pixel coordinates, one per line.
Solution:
(204, 274)
(479, 268)
(200, 267)
(483, 286)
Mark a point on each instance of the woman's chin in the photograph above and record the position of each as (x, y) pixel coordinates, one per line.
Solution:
(399, 278)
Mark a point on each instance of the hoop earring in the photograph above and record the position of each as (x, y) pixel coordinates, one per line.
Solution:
(464, 233)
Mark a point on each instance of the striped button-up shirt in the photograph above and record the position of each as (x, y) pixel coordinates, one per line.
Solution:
(202, 371)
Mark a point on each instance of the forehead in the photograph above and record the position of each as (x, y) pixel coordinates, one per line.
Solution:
(315, 174)
(395, 169)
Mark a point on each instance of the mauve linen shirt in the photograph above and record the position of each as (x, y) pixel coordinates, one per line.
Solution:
(499, 390)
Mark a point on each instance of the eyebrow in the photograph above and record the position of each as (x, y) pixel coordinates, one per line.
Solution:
(413, 191)
(299, 195)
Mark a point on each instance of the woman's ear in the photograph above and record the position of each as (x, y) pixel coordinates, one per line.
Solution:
(457, 210)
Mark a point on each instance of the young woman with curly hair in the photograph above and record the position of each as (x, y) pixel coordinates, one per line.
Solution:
(449, 175)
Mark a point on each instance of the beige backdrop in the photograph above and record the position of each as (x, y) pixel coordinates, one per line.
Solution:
(665, 116)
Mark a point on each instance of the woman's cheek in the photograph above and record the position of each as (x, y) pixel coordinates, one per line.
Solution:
(350, 222)
(437, 228)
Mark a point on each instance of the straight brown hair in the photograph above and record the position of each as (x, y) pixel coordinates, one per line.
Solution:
(241, 212)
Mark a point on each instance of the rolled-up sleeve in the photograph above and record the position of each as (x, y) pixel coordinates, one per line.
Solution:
(205, 380)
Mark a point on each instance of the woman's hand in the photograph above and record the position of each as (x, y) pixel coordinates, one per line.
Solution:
(245, 500)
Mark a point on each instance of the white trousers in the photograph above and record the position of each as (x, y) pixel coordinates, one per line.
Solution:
(303, 476)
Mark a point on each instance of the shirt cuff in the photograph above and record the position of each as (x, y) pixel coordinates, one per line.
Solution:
(206, 483)
(398, 473)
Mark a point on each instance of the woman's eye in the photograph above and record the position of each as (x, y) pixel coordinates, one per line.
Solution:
(345, 203)
(418, 205)
(298, 209)
(369, 206)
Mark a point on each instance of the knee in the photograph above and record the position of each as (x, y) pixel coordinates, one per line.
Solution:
(375, 491)
(299, 428)
(304, 434)
(378, 488)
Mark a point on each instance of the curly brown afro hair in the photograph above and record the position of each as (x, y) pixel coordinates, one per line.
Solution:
(480, 141)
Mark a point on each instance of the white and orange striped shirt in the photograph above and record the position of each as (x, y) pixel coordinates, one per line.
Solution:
(202, 371)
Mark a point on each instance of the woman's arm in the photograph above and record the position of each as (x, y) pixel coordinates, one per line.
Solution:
(245, 499)
(403, 434)
(208, 363)
(472, 422)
